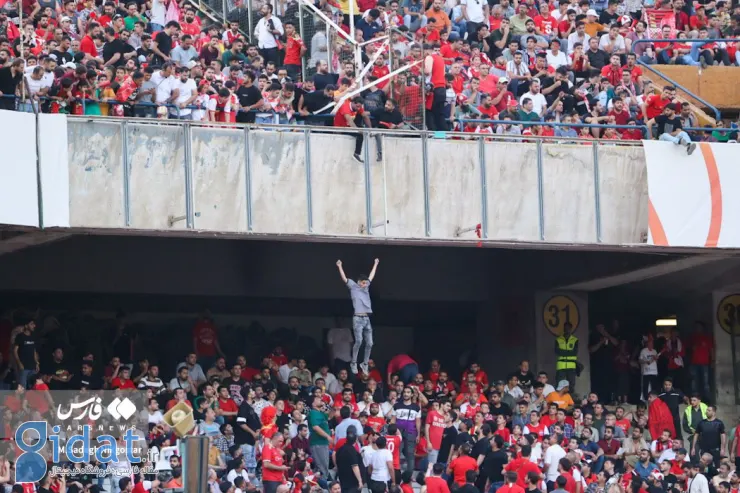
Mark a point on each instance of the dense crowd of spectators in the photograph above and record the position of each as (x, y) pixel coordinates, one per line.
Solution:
(280, 425)
(565, 63)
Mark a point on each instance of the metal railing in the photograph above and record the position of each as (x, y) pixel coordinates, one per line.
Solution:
(423, 157)
(717, 114)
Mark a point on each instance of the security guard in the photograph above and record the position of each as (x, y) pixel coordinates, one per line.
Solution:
(566, 350)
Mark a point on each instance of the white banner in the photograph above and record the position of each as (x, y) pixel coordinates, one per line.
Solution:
(693, 200)
(18, 185)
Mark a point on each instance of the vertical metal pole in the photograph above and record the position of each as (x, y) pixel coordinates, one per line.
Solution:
(597, 192)
(39, 187)
(126, 175)
(540, 191)
(385, 188)
(483, 188)
(250, 33)
(301, 28)
(368, 185)
(425, 173)
(189, 215)
(248, 177)
(328, 48)
(309, 197)
(223, 12)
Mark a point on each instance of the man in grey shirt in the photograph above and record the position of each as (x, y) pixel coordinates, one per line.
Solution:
(360, 293)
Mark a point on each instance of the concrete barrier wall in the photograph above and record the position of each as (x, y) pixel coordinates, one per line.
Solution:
(257, 181)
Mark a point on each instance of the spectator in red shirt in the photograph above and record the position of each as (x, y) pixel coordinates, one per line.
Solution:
(122, 381)
(702, 355)
(613, 71)
(510, 483)
(565, 481)
(460, 465)
(349, 114)
(434, 483)
(294, 50)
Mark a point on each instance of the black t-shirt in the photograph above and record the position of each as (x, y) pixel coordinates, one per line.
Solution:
(396, 118)
(347, 458)
(606, 18)
(26, 343)
(8, 82)
(235, 388)
(525, 380)
(374, 100)
(462, 438)
(91, 383)
(53, 368)
(710, 433)
(480, 448)
(667, 125)
(320, 81)
(248, 95)
(502, 410)
(113, 47)
(62, 57)
(597, 58)
(247, 416)
(449, 437)
(467, 488)
(493, 465)
(164, 43)
(315, 100)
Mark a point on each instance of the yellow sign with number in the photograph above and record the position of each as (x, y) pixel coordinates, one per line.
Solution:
(728, 314)
(558, 311)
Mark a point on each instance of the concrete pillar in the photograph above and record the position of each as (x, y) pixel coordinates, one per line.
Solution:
(726, 320)
(552, 309)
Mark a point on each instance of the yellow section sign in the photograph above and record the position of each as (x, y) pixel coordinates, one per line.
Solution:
(558, 311)
(728, 314)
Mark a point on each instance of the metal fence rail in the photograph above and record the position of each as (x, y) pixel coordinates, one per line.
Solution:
(373, 188)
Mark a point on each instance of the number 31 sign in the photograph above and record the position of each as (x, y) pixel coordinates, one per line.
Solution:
(559, 310)
(728, 314)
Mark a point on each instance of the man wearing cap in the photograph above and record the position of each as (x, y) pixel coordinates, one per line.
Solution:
(566, 350)
(561, 396)
(593, 27)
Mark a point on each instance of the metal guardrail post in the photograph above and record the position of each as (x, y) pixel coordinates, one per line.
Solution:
(189, 215)
(540, 191)
(250, 33)
(425, 173)
(597, 192)
(309, 195)
(483, 188)
(368, 185)
(223, 13)
(303, 36)
(248, 177)
(126, 175)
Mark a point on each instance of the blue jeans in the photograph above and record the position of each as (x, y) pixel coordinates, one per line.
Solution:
(681, 139)
(408, 373)
(22, 377)
(156, 27)
(495, 486)
(598, 464)
(250, 459)
(363, 331)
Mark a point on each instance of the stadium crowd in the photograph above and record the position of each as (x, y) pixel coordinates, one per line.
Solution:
(566, 62)
(282, 423)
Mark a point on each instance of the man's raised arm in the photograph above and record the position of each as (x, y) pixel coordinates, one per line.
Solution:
(341, 271)
(372, 272)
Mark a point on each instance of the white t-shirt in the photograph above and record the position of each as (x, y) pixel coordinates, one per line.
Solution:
(617, 45)
(538, 100)
(367, 453)
(159, 12)
(556, 61)
(34, 86)
(164, 85)
(187, 90)
(552, 457)
(475, 10)
(648, 368)
(379, 462)
(233, 474)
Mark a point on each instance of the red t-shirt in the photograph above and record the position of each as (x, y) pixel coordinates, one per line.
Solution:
(275, 457)
(655, 104)
(620, 118)
(491, 113)
(88, 46)
(376, 423)
(545, 24)
(228, 405)
(205, 335)
(118, 383)
(624, 424)
(436, 424)
(340, 119)
(522, 466)
(381, 71)
(538, 430)
(394, 445)
(293, 51)
(447, 52)
(36, 400)
(435, 484)
(570, 483)
(460, 466)
(614, 74)
(635, 72)
(701, 349)
(511, 488)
